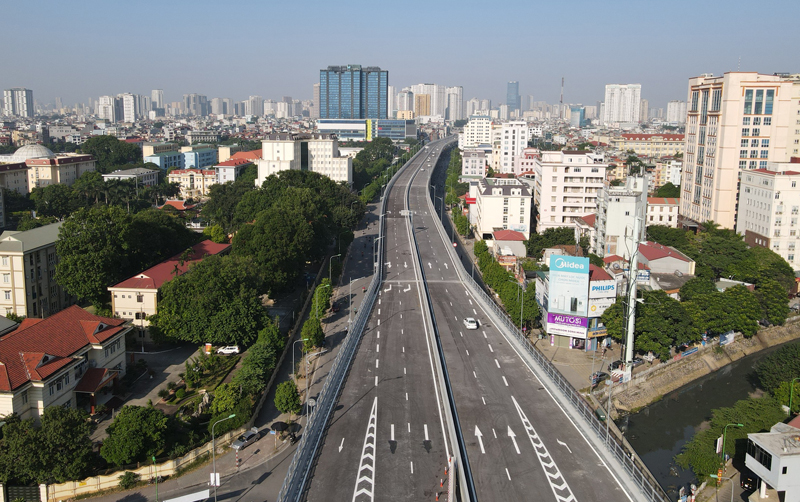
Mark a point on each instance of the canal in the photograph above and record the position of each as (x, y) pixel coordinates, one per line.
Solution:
(659, 431)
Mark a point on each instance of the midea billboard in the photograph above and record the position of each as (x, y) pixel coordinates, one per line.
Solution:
(569, 285)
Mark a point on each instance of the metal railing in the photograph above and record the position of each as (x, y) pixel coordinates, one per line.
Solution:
(637, 471)
(296, 480)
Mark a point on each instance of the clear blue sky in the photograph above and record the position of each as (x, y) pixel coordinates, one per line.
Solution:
(272, 48)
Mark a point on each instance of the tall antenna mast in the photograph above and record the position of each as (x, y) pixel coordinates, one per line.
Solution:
(562, 91)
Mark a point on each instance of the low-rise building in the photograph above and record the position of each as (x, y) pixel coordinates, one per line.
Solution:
(313, 152)
(500, 204)
(139, 175)
(199, 158)
(167, 160)
(663, 211)
(509, 243)
(64, 360)
(135, 299)
(649, 145)
(61, 169)
(473, 163)
(203, 137)
(149, 148)
(231, 169)
(774, 457)
(664, 259)
(193, 183)
(525, 163)
(27, 273)
(14, 176)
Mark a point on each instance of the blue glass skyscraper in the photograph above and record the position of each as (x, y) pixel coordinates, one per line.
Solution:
(353, 92)
(512, 96)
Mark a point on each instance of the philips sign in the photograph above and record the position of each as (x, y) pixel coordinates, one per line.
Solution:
(610, 287)
(602, 289)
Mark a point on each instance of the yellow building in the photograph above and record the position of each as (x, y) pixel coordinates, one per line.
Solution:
(194, 183)
(650, 145)
(422, 105)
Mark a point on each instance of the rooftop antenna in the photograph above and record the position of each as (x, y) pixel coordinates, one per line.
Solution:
(739, 64)
(561, 101)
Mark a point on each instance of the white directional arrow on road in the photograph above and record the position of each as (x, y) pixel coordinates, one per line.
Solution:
(429, 265)
(480, 438)
(513, 438)
(389, 264)
(341, 446)
(405, 265)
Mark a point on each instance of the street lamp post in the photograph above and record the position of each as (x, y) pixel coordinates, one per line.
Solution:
(156, 469)
(724, 434)
(330, 262)
(723, 477)
(791, 394)
(521, 297)
(374, 251)
(214, 452)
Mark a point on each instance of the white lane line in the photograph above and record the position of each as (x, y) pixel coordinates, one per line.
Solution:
(379, 302)
(557, 482)
(445, 266)
(379, 311)
(497, 363)
(505, 381)
(341, 445)
(409, 426)
(404, 371)
(364, 479)
(484, 335)
(470, 302)
(376, 364)
(565, 445)
(455, 317)
(376, 380)
(412, 467)
(406, 396)
(495, 433)
(379, 334)
(378, 349)
(473, 311)
(507, 474)
(490, 348)
(460, 333)
(379, 322)
(484, 400)
(401, 331)
(392, 433)
(404, 350)
(480, 438)
(467, 351)
(510, 434)
(451, 304)
(473, 374)
(429, 265)
(425, 426)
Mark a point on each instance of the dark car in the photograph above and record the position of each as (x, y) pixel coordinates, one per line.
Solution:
(748, 481)
(598, 376)
(614, 365)
(637, 361)
(335, 307)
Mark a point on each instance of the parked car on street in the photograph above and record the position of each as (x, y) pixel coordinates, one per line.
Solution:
(637, 361)
(614, 365)
(230, 349)
(246, 439)
(470, 323)
(749, 481)
(598, 376)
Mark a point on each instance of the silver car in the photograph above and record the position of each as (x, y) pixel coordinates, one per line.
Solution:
(246, 439)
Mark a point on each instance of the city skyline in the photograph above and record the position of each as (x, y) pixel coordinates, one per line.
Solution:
(200, 41)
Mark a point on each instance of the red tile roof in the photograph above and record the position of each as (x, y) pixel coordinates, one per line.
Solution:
(154, 277)
(612, 258)
(598, 274)
(250, 155)
(589, 219)
(37, 350)
(655, 251)
(180, 205)
(661, 201)
(508, 235)
(94, 379)
(232, 162)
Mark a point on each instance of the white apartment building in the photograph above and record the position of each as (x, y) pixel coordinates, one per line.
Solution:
(129, 108)
(281, 152)
(140, 176)
(500, 204)
(478, 131)
(513, 139)
(662, 211)
(666, 170)
(617, 208)
(566, 187)
(455, 103)
(438, 97)
(473, 163)
(676, 112)
(737, 122)
(622, 103)
(769, 209)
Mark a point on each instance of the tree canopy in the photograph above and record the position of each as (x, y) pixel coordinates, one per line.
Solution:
(136, 434)
(109, 152)
(537, 243)
(669, 190)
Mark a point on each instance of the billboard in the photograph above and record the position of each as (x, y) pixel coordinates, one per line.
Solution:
(566, 325)
(569, 285)
(599, 305)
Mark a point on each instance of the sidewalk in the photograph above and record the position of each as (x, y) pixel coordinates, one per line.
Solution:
(269, 453)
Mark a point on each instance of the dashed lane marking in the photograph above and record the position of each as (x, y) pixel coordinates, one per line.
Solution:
(497, 363)
(505, 381)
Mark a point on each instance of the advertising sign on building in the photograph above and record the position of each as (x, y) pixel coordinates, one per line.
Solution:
(569, 285)
(603, 289)
(566, 325)
(599, 305)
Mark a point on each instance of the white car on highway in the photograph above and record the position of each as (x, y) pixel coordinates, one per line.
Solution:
(470, 323)
(230, 349)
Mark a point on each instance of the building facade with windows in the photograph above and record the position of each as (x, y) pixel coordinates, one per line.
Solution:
(14, 176)
(737, 122)
(61, 169)
(27, 273)
(650, 145)
(353, 92)
(478, 131)
(622, 103)
(473, 163)
(499, 204)
(663, 211)
(53, 361)
(135, 299)
(140, 176)
(617, 209)
(513, 139)
(231, 169)
(769, 210)
(193, 183)
(167, 160)
(18, 102)
(312, 152)
(566, 187)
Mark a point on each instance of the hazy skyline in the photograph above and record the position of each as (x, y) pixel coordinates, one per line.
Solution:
(75, 50)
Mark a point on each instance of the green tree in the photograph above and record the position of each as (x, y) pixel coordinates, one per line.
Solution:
(226, 397)
(55, 200)
(64, 450)
(462, 223)
(772, 298)
(743, 309)
(18, 459)
(272, 337)
(26, 222)
(537, 243)
(287, 399)
(313, 336)
(216, 302)
(696, 286)
(781, 366)
(614, 319)
(92, 248)
(669, 190)
(136, 434)
(108, 151)
(215, 233)
(668, 236)
(257, 366)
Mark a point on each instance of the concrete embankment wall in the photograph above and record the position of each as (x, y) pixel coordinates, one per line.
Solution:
(652, 384)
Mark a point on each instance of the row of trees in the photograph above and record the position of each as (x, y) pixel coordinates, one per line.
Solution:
(774, 374)
(519, 306)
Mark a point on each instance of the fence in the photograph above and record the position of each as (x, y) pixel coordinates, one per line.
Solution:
(637, 471)
(296, 479)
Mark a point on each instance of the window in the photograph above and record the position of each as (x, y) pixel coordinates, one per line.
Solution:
(140, 298)
(756, 120)
(764, 143)
(6, 278)
(764, 154)
(745, 131)
(759, 454)
(768, 103)
(746, 121)
(744, 143)
(767, 120)
(5, 261)
(756, 131)
(748, 101)
(7, 295)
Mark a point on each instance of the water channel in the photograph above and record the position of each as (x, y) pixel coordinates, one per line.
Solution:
(659, 431)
